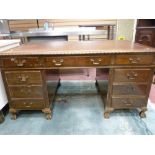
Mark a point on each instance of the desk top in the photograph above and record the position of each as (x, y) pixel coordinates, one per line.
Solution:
(80, 47)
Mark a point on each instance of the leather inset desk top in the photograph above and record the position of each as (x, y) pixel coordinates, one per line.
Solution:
(73, 48)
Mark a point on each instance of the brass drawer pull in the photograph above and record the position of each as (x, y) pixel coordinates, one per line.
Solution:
(19, 63)
(58, 62)
(23, 78)
(27, 105)
(96, 62)
(134, 60)
(127, 102)
(132, 75)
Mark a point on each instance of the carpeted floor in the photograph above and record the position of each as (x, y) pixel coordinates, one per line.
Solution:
(78, 109)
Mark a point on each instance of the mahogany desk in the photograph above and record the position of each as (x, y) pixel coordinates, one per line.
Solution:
(130, 72)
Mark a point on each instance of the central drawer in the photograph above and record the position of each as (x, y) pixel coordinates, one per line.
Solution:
(128, 102)
(60, 61)
(77, 61)
(93, 61)
(133, 59)
(129, 89)
(23, 77)
(26, 91)
(132, 75)
(27, 104)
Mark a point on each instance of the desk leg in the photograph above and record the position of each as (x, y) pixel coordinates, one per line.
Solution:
(108, 107)
(106, 94)
(107, 112)
(48, 113)
(142, 112)
(13, 113)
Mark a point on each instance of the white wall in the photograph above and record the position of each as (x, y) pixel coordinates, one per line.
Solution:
(125, 28)
(3, 97)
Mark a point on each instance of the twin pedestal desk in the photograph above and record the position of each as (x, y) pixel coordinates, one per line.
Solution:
(131, 69)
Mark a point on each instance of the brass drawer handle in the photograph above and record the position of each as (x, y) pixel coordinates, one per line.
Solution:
(23, 78)
(27, 105)
(19, 63)
(96, 62)
(134, 60)
(132, 75)
(58, 62)
(127, 102)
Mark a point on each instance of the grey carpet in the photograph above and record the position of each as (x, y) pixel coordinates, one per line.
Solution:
(78, 110)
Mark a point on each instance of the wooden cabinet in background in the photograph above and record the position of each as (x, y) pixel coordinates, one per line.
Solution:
(76, 22)
(22, 24)
(101, 24)
(146, 36)
(145, 33)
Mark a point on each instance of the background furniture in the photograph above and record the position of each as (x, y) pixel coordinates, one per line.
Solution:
(107, 25)
(145, 33)
(22, 24)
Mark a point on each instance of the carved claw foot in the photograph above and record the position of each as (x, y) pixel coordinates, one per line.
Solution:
(107, 112)
(48, 113)
(13, 114)
(106, 115)
(142, 114)
(48, 116)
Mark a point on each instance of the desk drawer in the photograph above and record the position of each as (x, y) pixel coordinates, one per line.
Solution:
(23, 77)
(26, 91)
(132, 75)
(77, 61)
(60, 61)
(118, 103)
(22, 62)
(93, 60)
(27, 104)
(133, 59)
(129, 89)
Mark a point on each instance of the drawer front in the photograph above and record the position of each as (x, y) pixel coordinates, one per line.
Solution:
(129, 89)
(94, 60)
(60, 61)
(133, 59)
(26, 91)
(131, 75)
(128, 102)
(83, 61)
(27, 104)
(22, 62)
(23, 77)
